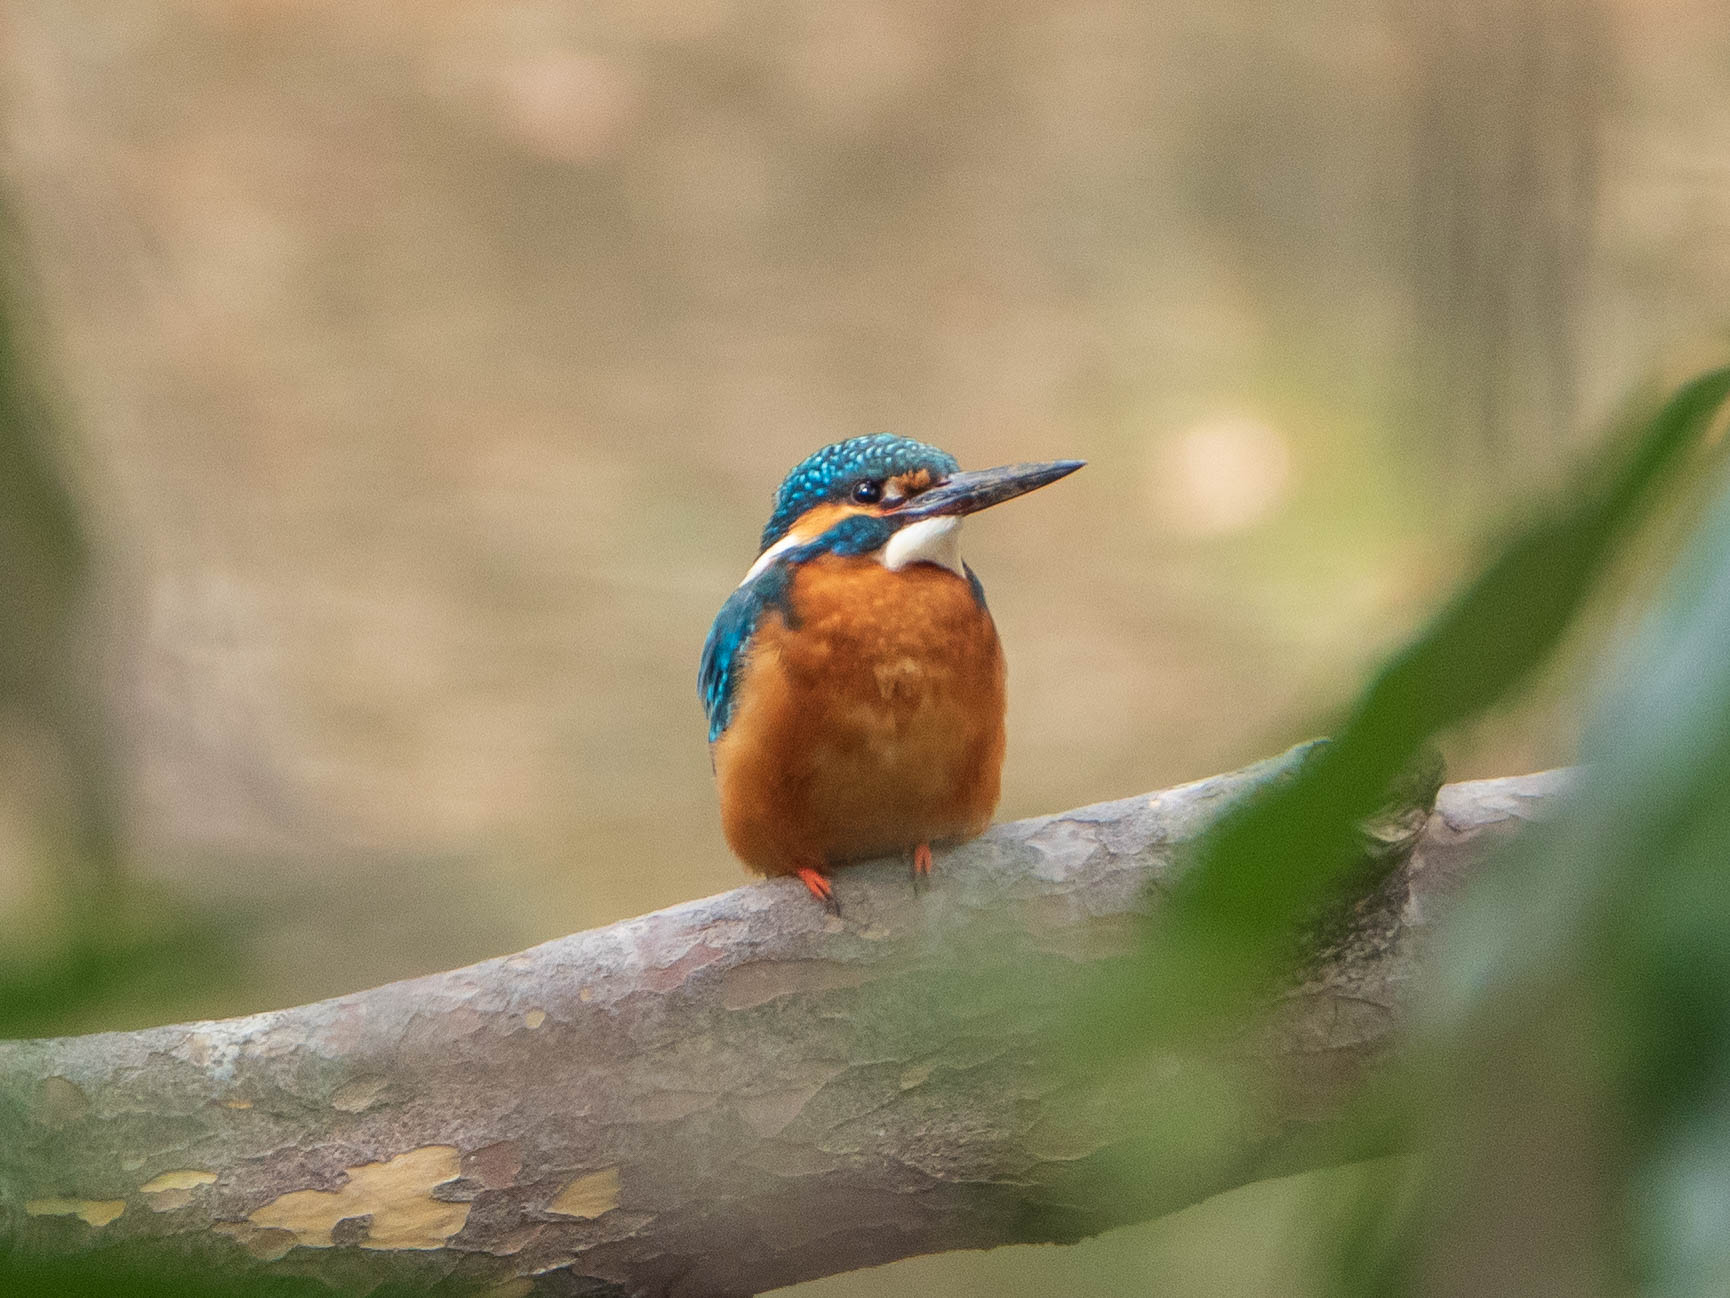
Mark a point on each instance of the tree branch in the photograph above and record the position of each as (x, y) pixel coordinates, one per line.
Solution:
(720, 1098)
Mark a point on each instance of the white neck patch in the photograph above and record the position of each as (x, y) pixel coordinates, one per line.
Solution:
(773, 553)
(930, 540)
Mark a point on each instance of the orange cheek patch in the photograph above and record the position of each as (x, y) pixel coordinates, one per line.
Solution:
(910, 484)
(819, 519)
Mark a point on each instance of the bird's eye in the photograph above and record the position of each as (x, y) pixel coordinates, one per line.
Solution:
(869, 491)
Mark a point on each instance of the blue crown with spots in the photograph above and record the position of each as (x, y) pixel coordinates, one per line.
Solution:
(831, 473)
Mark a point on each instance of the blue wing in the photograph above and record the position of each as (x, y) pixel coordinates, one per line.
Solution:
(771, 590)
(730, 638)
(977, 586)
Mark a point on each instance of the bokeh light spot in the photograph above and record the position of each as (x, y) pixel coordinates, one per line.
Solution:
(1224, 473)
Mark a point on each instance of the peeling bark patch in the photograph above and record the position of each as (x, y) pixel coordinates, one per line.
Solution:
(434, 1032)
(92, 1212)
(1059, 1140)
(189, 1179)
(770, 1112)
(783, 1158)
(515, 1241)
(670, 1106)
(746, 985)
(1061, 844)
(202, 1050)
(60, 1100)
(1061, 926)
(534, 1018)
(588, 1196)
(172, 1190)
(667, 977)
(267, 1245)
(496, 1165)
(360, 1094)
(396, 1194)
(917, 1075)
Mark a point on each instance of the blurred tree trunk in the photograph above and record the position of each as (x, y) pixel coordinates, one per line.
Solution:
(736, 1093)
(1508, 104)
(48, 660)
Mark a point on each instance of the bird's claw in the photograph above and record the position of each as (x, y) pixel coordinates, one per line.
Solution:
(921, 867)
(820, 887)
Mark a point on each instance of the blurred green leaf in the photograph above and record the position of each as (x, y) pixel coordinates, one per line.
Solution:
(1228, 927)
(1572, 1086)
(111, 1274)
(133, 950)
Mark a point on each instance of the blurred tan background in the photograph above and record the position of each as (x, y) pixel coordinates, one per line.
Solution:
(422, 373)
(419, 375)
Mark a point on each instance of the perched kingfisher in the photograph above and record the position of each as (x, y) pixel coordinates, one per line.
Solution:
(853, 681)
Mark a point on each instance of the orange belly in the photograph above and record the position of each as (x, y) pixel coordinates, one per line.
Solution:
(872, 725)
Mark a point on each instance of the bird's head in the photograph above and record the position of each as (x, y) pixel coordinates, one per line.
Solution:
(890, 496)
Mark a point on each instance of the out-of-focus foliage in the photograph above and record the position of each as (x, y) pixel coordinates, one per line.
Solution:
(136, 948)
(101, 1275)
(1570, 1102)
(1226, 928)
(1571, 1091)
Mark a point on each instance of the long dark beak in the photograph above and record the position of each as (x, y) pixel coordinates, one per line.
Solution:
(966, 493)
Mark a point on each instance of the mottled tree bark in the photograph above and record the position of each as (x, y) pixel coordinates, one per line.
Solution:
(723, 1097)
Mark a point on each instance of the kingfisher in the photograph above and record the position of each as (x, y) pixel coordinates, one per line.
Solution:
(854, 682)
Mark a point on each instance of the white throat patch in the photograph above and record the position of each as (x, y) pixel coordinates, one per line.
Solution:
(773, 553)
(930, 540)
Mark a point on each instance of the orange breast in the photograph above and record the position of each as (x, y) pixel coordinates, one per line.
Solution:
(873, 724)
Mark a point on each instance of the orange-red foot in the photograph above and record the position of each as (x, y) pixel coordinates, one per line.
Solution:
(921, 866)
(820, 887)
